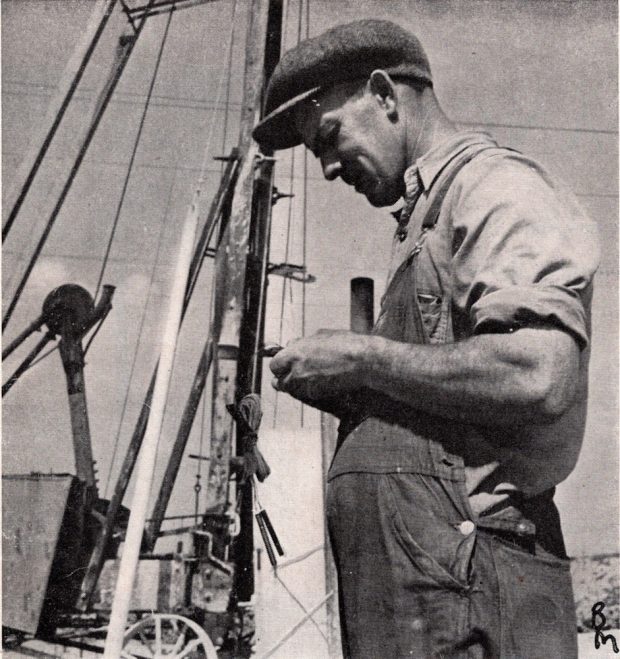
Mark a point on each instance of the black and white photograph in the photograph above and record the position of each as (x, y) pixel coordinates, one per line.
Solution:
(310, 329)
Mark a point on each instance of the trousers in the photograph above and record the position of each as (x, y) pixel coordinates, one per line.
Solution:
(415, 580)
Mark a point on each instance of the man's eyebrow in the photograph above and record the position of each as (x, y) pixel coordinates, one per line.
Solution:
(324, 135)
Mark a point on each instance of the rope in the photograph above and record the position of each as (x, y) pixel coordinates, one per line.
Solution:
(134, 151)
(248, 414)
(220, 85)
(301, 557)
(109, 89)
(299, 604)
(297, 625)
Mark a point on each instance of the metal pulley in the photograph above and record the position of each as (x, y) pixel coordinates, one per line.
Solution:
(68, 309)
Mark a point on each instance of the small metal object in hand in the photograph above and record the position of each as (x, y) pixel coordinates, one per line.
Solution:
(270, 350)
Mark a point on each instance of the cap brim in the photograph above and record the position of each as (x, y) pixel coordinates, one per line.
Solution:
(277, 130)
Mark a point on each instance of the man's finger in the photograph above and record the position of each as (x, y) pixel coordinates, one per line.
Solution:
(280, 364)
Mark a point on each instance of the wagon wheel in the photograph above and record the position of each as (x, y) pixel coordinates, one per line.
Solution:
(167, 635)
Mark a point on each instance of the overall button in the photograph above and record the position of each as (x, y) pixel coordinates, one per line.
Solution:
(467, 527)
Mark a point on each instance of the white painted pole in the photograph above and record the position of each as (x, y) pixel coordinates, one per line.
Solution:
(146, 462)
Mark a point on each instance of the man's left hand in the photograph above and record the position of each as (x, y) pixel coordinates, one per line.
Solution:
(321, 366)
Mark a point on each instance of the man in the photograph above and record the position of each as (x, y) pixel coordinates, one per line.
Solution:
(466, 405)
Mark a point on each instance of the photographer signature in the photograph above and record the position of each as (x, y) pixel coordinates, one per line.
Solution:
(598, 624)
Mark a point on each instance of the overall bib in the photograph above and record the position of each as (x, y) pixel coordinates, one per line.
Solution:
(420, 574)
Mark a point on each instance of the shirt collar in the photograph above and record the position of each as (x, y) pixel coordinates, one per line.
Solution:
(422, 173)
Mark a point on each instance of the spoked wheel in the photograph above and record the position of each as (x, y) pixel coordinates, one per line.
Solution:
(167, 635)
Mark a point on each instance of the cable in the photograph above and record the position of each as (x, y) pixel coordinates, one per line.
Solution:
(304, 228)
(228, 77)
(140, 331)
(299, 604)
(133, 152)
(128, 45)
(288, 223)
(43, 356)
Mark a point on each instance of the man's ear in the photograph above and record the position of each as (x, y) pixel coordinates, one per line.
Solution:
(382, 87)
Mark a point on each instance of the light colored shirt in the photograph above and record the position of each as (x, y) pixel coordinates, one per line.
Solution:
(511, 248)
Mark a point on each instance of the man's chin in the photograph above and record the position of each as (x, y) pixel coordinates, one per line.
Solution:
(381, 198)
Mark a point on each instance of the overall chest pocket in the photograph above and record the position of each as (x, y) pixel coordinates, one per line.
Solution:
(434, 315)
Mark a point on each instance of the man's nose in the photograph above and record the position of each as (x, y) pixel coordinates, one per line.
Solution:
(331, 166)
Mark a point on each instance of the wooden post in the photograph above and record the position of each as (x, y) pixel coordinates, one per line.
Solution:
(231, 262)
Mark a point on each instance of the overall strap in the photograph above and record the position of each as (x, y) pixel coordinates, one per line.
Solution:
(455, 166)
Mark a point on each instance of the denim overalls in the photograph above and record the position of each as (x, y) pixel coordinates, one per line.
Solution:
(420, 574)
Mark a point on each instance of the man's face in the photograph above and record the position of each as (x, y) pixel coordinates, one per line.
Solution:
(355, 140)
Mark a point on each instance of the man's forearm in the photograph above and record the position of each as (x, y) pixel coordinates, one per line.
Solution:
(494, 379)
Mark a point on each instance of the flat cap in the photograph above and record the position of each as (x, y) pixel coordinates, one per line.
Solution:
(344, 53)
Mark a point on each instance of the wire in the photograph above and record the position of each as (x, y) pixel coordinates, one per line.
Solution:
(140, 332)
(228, 79)
(43, 356)
(288, 222)
(134, 151)
(299, 603)
(100, 109)
(297, 625)
(197, 192)
(304, 227)
(93, 335)
(198, 486)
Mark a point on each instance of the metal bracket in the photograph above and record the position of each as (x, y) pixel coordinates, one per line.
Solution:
(291, 271)
(208, 555)
(276, 195)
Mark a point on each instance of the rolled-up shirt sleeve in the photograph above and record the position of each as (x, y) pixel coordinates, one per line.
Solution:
(524, 251)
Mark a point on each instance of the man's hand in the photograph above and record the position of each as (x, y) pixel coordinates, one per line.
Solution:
(322, 366)
(523, 377)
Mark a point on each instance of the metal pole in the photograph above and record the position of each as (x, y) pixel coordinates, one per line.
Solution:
(56, 110)
(25, 365)
(231, 264)
(249, 366)
(72, 356)
(18, 340)
(96, 560)
(146, 463)
(174, 462)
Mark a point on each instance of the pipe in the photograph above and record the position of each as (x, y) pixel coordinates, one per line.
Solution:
(362, 305)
